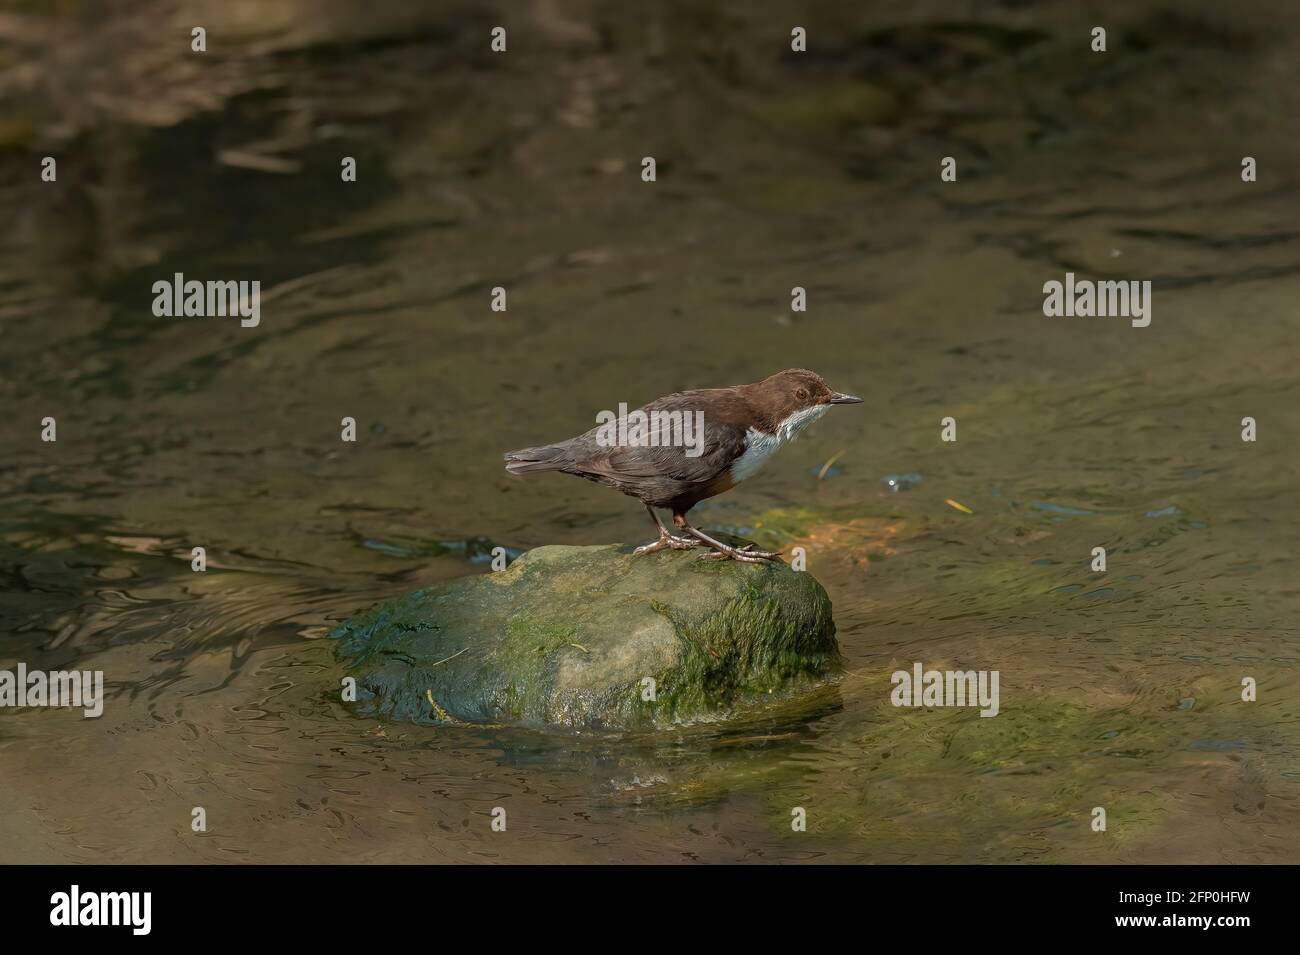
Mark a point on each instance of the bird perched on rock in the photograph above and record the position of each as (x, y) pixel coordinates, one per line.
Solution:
(685, 447)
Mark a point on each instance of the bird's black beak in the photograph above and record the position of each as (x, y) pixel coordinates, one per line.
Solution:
(839, 399)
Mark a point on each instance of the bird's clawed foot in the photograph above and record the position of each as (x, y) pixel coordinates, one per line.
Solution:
(747, 554)
(723, 551)
(718, 550)
(667, 540)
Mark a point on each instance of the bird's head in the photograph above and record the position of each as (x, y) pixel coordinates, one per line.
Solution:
(795, 398)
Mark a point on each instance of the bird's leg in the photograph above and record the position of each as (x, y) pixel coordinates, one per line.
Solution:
(665, 539)
(721, 550)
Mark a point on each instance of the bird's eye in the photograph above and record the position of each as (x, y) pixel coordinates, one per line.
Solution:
(801, 393)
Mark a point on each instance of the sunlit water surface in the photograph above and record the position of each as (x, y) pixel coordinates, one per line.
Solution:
(1120, 690)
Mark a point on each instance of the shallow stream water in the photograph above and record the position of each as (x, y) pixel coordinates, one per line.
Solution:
(1120, 690)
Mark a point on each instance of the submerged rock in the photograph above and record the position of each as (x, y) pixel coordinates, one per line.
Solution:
(571, 636)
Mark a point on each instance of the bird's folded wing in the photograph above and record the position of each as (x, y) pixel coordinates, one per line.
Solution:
(722, 444)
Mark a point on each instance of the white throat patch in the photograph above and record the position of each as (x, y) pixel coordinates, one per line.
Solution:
(759, 445)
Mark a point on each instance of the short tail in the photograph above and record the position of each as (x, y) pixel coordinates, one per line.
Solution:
(550, 457)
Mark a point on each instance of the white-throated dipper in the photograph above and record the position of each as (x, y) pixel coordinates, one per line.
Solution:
(678, 450)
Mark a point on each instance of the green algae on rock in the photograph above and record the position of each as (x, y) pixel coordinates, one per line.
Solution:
(571, 636)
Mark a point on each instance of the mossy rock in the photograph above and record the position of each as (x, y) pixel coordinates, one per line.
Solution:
(567, 636)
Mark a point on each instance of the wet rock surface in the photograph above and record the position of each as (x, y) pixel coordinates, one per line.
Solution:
(571, 636)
